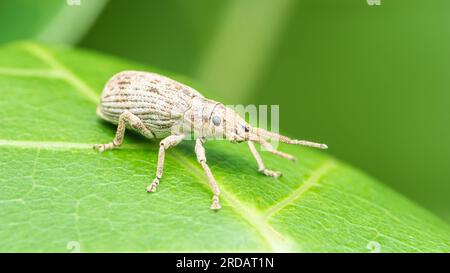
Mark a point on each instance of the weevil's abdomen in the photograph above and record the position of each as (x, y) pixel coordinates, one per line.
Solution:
(158, 101)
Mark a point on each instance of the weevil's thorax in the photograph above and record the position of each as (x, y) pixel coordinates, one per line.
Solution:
(196, 116)
(213, 120)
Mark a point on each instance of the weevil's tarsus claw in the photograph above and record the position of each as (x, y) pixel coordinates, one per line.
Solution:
(153, 186)
(151, 189)
(267, 172)
(215, 203)
(99, 147)
(103, 147)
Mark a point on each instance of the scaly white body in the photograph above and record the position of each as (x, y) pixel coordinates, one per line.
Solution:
(158, 107)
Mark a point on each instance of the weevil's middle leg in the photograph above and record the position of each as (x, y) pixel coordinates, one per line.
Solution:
(125, 118)
(261, 167)
(165, 144)
(201, 157)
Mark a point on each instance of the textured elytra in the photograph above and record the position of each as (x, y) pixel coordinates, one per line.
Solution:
(158, 101)
(56, 190)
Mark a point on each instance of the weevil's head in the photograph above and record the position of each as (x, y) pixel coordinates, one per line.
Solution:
(210, 119)
(225, 123)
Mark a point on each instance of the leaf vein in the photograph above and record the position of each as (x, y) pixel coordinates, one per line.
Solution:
(31, 72)
(309, 183)
(73, 79)
(60, 145)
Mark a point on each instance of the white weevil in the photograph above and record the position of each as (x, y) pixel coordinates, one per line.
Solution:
(158, 107)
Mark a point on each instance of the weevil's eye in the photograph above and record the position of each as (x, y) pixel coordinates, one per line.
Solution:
(216, 120)
(246, 129)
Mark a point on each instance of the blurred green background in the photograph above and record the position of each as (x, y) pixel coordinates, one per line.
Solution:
(371, 81)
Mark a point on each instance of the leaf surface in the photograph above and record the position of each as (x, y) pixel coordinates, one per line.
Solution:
(56, 190)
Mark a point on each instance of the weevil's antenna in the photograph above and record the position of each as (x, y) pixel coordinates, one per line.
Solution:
(266, 134)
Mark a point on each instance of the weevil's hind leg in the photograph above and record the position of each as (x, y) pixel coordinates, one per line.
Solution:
(201, 157)
(261, 167)
(165, 144)
(125, 118)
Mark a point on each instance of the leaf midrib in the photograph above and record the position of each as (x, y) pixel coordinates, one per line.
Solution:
(256, 218)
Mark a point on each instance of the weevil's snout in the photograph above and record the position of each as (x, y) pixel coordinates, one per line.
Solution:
(236, 135)
(241, 130)
(245, 131)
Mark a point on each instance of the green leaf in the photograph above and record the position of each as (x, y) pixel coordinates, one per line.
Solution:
(58, 193)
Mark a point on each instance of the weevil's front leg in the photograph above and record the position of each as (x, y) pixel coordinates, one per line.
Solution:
(125, 118)
(201, 157)
(261, 167)
(165, 144)
(272, 150)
